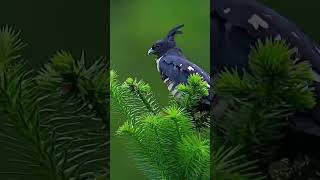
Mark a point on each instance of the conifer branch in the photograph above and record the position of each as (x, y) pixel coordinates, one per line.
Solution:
(141, 89)
(262, 99)
(165, 144)
(43, 134)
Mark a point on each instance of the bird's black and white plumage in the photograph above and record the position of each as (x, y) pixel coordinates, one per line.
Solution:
(238, 24)
(172, 65)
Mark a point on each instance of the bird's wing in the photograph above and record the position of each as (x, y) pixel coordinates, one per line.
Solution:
(178, 69)
(254, 18)
(248, 20)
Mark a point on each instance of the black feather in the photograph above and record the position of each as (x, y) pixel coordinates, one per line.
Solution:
(174, 31)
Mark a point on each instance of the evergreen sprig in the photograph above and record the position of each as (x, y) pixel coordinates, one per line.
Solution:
(72, 77)
(163, 141)
(10, 45)
(45, 135)
(132, 98)
(262, 99)
(228, 163)
(166, 144)
(193, 91)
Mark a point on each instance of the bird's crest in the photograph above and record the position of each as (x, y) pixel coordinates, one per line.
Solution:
(174, 32)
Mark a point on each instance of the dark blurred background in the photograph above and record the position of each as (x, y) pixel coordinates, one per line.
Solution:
(303, 13)
(135, 26)
(48, 26)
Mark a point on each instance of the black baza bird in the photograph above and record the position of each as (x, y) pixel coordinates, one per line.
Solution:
(238, 24)
(173, 66)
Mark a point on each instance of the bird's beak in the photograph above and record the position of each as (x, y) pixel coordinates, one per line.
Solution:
(151, 51)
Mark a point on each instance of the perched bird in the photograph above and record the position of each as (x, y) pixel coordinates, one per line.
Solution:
(238, 24)
(172, 65)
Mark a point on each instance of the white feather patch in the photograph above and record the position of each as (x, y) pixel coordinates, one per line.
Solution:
(157, 62)
(256, 21)
(226, 10)
(317, 48)
(170, 86)
(166, 80)
(174, 92)
(278, 37)
(295, 35)
(190, 68)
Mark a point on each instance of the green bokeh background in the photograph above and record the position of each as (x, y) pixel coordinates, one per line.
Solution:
(135, 26)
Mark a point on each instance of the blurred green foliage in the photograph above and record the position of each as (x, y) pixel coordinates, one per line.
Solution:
(135, 26)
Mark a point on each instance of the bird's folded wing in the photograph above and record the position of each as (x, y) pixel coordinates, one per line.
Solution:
(178, 69)
(260, 22)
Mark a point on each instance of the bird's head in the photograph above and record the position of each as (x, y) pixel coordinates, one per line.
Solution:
(160, 47)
